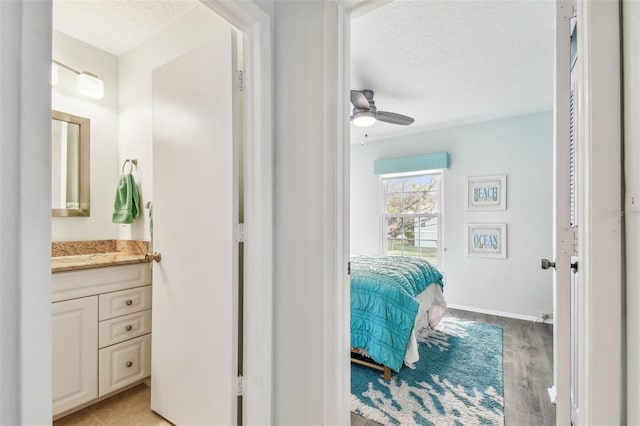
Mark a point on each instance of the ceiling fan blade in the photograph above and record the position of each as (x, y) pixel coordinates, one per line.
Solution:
(359, 100)
(393, 118)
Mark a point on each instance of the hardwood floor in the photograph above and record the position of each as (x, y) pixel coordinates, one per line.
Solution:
(528, 370)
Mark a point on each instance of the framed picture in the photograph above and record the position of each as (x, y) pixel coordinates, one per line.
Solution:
(487, 240)
(487, 192)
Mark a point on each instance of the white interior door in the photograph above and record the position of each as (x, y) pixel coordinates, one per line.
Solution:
(573, 223)
(564, 244)
(194, 340)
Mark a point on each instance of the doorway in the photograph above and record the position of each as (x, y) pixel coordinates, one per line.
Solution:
(592, 380)
(465, 140)
(254, 24)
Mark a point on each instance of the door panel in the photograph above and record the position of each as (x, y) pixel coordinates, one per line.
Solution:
(563, 235)
(194, 307)
(573, 202)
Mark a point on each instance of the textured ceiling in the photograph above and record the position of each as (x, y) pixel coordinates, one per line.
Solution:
(443, 62)
(116, 26)
(453, 62)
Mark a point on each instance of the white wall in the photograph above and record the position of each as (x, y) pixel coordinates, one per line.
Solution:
(25, 213)
(103, 114)
(631, 59)
(521, 148)
(121, 121)
(304, 337)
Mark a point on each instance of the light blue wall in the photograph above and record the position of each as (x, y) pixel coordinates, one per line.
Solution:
(521, 148)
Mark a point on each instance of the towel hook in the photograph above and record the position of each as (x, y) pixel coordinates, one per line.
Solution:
(132, 163)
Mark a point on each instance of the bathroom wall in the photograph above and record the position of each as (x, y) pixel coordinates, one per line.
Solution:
(135, 67)
(103, 114)
(121, 121)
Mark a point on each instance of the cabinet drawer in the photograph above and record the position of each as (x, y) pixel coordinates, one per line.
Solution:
(119, 329)
(124, 302)
(124, 363)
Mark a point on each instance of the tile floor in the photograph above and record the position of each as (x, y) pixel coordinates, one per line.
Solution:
(129, 408)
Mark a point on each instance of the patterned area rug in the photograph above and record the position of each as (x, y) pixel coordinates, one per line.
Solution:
(457, 381)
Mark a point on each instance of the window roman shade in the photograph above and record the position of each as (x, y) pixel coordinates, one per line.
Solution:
(412, 163)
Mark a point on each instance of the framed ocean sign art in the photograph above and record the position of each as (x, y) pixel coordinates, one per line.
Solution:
(487, 192)
(487, 240)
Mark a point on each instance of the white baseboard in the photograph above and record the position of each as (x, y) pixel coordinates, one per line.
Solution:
(500, 313)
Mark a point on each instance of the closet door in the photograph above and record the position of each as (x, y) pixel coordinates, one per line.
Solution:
(194, 344)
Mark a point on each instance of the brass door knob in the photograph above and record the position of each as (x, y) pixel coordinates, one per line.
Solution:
(155, 256)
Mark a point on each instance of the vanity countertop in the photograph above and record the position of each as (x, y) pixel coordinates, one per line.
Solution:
(75, 255)
(96, 260)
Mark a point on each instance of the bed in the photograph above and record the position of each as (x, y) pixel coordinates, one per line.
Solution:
(392, 298)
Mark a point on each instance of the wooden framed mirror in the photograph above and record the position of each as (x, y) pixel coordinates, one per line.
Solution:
(70, 138)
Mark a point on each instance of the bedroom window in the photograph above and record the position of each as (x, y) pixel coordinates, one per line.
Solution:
(412, 215)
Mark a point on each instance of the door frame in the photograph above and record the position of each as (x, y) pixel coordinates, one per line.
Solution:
(600, 235)
(25, 365)
(255, 25)
(563, 234)
(600, 210)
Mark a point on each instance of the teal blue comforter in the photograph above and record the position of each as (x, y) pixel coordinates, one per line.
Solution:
(383, 303)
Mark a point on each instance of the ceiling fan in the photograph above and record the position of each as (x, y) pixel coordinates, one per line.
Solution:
(365, 113)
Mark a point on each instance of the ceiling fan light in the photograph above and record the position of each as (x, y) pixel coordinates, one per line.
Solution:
(364, 119)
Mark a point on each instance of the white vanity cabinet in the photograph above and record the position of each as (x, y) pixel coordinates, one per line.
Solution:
(74, 361)
(101, 332)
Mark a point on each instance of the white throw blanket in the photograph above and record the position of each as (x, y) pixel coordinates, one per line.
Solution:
(432, 309)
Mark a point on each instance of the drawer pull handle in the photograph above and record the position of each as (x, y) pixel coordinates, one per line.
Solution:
(129, 364)
(128, 328)
(129, 302)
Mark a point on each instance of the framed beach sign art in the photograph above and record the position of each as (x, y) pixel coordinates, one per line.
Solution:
(487, 192)
(487, 240)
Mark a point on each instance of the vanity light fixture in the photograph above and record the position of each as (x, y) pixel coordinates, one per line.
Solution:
(88, 84)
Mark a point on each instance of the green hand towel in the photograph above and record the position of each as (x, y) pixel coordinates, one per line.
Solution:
(126, 206)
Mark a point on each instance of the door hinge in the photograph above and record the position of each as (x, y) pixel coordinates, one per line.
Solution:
(240, 80)
(240, 236)
(348, 268)
(239, 386)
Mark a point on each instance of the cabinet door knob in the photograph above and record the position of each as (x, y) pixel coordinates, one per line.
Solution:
(129, 364)
(128, 328)
(129, 302)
